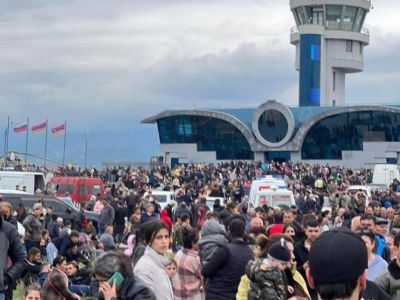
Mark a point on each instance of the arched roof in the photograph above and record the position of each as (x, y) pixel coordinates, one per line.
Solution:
(305, 128)
(247, 133)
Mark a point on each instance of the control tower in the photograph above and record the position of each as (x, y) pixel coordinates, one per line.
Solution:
(330, 40)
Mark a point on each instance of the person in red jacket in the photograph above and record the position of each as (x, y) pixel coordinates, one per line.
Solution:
(167, 220)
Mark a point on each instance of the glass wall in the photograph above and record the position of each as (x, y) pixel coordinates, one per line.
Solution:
(359, 20)
(330, 136)
(209, 134)
(333, 16)
(273, 126)
(349, 16)
(301, 16)
(338, 17)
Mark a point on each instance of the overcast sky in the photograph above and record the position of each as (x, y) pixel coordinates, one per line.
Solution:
(103, 63)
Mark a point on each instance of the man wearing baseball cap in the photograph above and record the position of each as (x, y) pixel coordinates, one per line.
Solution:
(338, 269)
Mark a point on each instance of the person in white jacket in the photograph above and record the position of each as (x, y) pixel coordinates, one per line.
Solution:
(151, 266)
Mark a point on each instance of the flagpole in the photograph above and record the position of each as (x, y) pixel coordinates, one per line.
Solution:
(5, 148)
(26, 145)
(65, 140)
(7, 138)
(45, 145)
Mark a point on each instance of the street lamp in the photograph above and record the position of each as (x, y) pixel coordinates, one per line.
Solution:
(87, 138)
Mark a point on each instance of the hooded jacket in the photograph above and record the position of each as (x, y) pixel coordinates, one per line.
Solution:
(165, 219)
(10, 246)
(389, 281)
(213, 236)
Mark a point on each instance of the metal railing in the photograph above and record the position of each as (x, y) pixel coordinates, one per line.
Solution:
(364, 31)
(294, 30)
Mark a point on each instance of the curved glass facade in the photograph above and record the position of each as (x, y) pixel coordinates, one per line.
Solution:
(347, 131)
(210, 134)
(273, 126)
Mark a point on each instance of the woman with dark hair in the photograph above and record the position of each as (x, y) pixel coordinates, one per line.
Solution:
(151, 266)
(289, 230)
(188, 279)
(131, 288)
(56, 285)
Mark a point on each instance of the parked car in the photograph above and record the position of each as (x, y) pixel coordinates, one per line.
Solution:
(61, 208)
(367, 190)
(163, 197)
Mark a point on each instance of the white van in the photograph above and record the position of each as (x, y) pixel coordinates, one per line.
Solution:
(274, 198)
(266, 183)
(163, 197)
(32, 180)
(385, 174)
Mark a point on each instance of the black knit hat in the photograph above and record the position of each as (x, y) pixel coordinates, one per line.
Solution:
(279, 251)
(337, 256)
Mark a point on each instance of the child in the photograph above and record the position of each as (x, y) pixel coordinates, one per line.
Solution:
(265, 274)
(171, 268)
(213, 236)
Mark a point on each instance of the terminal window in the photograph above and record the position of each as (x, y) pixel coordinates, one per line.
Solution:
(349, 46)
(333, 16)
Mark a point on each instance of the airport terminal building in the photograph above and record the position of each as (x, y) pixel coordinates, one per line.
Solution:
(329, 40)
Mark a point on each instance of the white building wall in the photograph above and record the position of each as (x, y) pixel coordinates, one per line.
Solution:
(373, 153)
(187, 153)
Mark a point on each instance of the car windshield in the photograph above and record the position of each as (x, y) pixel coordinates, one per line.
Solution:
(160, 198)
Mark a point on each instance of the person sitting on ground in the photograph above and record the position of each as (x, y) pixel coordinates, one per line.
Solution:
(32, 268)
(77, 283)
(107, 239)
(32, 292)
(56, 284)
(61, 245)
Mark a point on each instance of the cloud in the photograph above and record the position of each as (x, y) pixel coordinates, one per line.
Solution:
(97, 62)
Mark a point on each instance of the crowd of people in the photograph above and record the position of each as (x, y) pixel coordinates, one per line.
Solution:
(332, 244)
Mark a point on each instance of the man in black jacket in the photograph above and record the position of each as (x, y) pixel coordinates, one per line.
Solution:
(10, 246)
(224, 270)
(302, 249)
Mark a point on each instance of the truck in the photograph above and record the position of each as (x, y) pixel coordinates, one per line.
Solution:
(31, 180)
(78, 188)
(385, 174)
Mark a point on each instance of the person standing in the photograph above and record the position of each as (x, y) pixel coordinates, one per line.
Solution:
(151, 266)
(33, 227)
(389, 281)
(121, 216)
(107, 216)
(10, 246)
(188, 279)
(338, 262)
(224, 270)
(312, 231)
